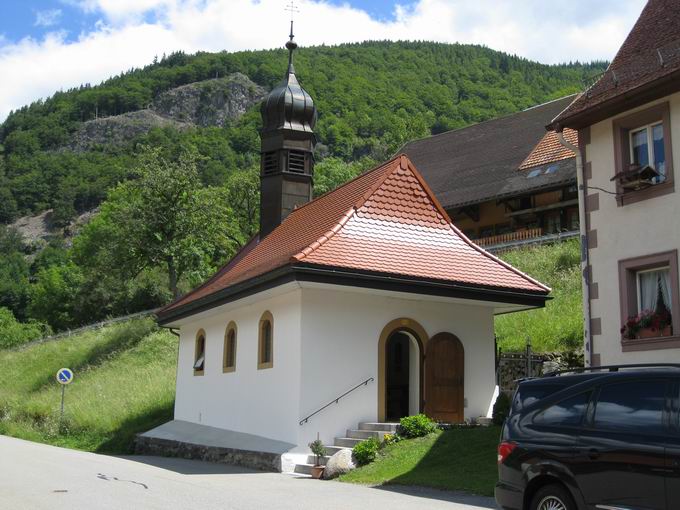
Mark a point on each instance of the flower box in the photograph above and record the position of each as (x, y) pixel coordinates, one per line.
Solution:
(654, 333)
(647, 324)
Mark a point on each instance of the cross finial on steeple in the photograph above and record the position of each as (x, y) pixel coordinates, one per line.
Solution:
(291, 44)
(292, 8)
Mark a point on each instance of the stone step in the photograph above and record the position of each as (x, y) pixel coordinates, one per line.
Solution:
(383, 427)
(347, 442)
(365, 434)
(331, 450)
(303, 469)
(311, 459)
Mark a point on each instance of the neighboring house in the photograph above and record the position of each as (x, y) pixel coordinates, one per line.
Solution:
(368, 289)
(503, 179)
(629, 134)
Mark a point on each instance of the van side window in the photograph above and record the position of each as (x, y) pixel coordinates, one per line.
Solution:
(635, 406)
(566, 413)
(528, 394)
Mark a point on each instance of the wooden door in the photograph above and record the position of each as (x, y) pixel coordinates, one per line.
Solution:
(444, 376)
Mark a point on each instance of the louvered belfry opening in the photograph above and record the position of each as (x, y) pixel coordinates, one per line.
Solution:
(287, 149)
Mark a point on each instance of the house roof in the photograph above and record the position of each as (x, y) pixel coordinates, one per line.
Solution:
(384, 222)
(550, 150)
(473, 164)
(541, 177)
(646, 66)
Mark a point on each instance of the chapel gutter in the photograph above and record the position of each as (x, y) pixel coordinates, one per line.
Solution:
(342, 276)
(416, 285)
(239, 290)
(585, 258)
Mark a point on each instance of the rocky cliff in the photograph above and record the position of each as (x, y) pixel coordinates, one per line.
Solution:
(213, 102)
(119, 129)
(210, 103)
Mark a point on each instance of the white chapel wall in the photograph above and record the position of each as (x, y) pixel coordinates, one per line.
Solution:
(262, 402)
(340, 333)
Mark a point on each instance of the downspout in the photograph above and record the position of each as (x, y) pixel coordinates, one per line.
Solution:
(585, 258)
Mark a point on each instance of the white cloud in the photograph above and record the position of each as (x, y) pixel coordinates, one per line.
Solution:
(47, 18)
(125, 37)
(120, 11)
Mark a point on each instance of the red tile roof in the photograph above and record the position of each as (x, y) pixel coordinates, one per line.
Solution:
(650, 53)
(386, 221)
(550, 150)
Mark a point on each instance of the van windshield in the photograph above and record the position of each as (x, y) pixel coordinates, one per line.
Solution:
(529, 393)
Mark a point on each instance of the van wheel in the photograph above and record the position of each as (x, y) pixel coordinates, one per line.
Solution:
(552, 497)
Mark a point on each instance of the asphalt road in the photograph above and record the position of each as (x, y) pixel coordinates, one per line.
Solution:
(35, 476)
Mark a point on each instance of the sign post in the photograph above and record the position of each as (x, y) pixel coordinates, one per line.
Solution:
(64, 377)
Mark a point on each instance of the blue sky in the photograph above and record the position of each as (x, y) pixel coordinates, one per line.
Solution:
(48, 45)
(36, 18)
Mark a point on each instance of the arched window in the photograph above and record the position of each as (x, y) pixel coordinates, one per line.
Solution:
(265, 357)
(199, 353)
(229, 361)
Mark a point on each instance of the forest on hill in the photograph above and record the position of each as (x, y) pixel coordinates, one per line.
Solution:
(372, 97)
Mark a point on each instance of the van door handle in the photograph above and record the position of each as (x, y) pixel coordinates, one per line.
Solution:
(593, 453)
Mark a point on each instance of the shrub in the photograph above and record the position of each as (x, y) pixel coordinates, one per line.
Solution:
(14, 333)
(416, 426)
(389, 439)
(366, 450)
(501, 408)
(318, 449)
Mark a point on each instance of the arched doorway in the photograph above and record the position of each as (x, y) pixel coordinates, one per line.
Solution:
(400, 362)
(444, 378)
(402, 376)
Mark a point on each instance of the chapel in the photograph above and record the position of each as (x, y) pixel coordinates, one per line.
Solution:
(345, 313)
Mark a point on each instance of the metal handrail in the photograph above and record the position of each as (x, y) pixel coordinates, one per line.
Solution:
(335, 401)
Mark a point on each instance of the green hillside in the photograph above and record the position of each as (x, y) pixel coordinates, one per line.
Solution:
(558, 326)
(372, 97)
(124, 383)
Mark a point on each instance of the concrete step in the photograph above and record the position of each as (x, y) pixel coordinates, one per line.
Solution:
(383, 427)
(311, 459)
(365, 434)
(303, 469)
(347, 442)
(331, 450)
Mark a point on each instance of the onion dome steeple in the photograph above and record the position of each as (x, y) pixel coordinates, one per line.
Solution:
(288, 105)
(287, 148)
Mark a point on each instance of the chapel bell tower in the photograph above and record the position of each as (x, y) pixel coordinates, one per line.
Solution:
(287, 148)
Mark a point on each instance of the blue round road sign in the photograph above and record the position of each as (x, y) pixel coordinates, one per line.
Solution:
(65, 376)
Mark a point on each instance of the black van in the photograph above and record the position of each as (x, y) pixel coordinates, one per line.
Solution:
(605, 438)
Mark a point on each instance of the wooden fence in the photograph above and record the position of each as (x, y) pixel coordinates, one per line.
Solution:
(89, 327)
(518, 235)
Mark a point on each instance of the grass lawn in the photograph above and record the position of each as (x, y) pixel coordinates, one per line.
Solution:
(124, 383)
(458, 459)
(558, 326)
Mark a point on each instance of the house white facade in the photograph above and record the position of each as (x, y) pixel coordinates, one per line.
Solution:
(629, 144)
(632, 237)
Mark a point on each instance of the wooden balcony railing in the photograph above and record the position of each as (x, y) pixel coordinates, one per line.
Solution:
(509, 237)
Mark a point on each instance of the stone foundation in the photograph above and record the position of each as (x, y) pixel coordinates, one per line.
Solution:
(261, 461)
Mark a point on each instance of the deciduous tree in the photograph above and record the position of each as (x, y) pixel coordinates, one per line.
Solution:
(162, 218)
